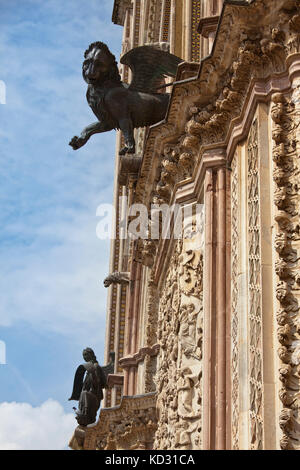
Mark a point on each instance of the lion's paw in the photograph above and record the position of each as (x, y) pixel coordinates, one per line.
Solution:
(77, 142)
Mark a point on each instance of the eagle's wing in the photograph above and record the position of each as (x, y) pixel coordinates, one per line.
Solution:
(148, 65)
(109, 368)
(78, 382)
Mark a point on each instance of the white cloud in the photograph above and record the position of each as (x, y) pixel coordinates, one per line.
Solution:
(24, 427)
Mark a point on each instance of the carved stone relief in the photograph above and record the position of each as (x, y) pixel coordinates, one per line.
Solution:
(254, 293)
(234, 303)
(151, 313)
(202, 111)
(150, 370)
(129, 426)
(180, 330)
(285, 134)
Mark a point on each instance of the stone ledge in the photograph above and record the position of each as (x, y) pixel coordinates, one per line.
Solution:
(115, 379)
(134, 359)
(208, 25)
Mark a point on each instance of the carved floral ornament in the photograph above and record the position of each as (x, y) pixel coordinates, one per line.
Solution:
(285, 134)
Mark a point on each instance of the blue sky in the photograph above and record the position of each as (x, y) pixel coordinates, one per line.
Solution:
(52, 299)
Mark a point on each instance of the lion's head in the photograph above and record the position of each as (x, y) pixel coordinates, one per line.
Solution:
(99, 64)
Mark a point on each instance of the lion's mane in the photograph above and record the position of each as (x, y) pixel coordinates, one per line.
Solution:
(114, 72)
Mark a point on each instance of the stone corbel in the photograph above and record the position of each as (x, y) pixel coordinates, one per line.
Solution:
(129, 166)
(115, 379)
(132, 360)
(208, 25)
(116, 278)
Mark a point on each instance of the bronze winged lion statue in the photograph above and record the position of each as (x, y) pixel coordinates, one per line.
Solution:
(121, 106)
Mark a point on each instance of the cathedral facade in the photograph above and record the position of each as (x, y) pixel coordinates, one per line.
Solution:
(205, 325)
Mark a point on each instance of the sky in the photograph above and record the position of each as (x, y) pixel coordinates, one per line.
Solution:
(52, 299)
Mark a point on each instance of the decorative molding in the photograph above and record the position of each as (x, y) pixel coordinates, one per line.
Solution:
(195, 38)
(254, 293)
(285, 133)
(235, 236)
(128, 426)
(165, 21)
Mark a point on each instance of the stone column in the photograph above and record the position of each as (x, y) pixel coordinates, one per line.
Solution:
(209, 313)
(132, 327)
(137, 292)
(223, 307)
(172, 26)
(187, 30)
(129, 323)
(216, 379)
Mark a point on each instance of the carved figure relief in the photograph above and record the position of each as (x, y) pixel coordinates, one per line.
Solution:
(179, 376)
(130, 426)
(285, 133)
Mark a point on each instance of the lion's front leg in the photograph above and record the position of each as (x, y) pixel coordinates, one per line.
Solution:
(126, 127)
(95, 128)
(77, 142)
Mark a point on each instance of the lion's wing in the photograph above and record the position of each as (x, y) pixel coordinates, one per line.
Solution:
(148, 66)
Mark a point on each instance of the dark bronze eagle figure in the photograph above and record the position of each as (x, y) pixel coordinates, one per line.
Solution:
(118, 105)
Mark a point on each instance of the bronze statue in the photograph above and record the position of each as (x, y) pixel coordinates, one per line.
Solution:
(89, 381)
(121, 106)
